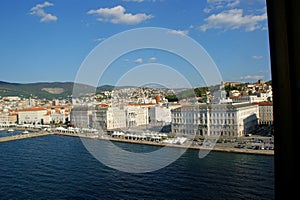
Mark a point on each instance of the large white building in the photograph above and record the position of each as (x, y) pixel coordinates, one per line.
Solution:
(109, 118)
(160, 114)
(59, 114)
(231, 120)
(136, 116)
(81, 116)
(33, 115)
(112, 118)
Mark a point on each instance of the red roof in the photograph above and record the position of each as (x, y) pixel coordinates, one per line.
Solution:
(32, 109)
(103, 105)
(265, 103)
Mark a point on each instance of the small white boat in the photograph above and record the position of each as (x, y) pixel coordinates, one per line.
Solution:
(10, 130)
(25, 132)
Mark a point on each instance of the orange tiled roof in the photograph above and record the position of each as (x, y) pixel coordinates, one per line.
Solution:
(103, 105)
(32, 109)
(265, 103)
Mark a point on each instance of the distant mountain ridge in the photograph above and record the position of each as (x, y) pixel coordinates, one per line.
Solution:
(47, 90)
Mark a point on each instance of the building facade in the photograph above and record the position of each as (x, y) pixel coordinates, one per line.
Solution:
(109, 118)
(265, 113)
(230, 120)
(113, 118)
(81, 116)
(59, 114)
(7, 117)
(160, 114)
(34, 115)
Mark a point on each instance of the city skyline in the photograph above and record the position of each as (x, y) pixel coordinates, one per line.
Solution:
(47, 41)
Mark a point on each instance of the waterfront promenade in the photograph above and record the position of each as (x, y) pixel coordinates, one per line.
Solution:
(221, 147)
(24, 136)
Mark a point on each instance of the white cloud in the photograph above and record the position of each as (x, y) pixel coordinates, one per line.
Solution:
(257, 57)
(139, 60)
(233, 19)
(117, 15)
(250, 77)
(223, 3)
(38, 10)
(100, 39)
(207, 10)
(152, 59)
(218, 4)
(179, 32)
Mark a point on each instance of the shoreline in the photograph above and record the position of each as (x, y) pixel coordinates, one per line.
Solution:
(216, 148)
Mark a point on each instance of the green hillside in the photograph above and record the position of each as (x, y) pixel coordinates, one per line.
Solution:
(46, 90)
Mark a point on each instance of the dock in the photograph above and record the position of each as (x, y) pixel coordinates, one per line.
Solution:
(24, 136)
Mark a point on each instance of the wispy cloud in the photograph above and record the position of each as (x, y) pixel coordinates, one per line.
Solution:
(38, 10)
(152, 59)
(257, 57)
(179, 32)
(139, 60)
(218, 4)
(117, 15)
(233, 19)
(100, 39)
(251, 77)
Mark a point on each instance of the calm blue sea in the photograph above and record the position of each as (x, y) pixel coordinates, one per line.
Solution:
(57, 167)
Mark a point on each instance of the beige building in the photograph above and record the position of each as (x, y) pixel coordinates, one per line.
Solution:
(160, 114)
(265, 113)
(59, 114)
(8, 117)
(230, 120)
(109, 118)
(137, 116)
(81, 116)
(34, 115)
(112, 118)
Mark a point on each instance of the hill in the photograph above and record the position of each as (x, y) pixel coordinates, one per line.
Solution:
(47, 90)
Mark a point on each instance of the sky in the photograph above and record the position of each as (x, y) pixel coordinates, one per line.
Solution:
(48, 41)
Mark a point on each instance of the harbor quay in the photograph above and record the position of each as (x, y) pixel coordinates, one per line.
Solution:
(251, 145)
(260, 145)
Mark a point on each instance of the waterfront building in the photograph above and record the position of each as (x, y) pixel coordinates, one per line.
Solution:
(109, 118)
(265, 113)
(137, 115)
(59, 114)
(160, 114)
(81, 116)
(118, 117)
(33, 115)
(231, 120)
(7, 117)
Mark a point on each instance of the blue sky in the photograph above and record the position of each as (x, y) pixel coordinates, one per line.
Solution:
(47, 41)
